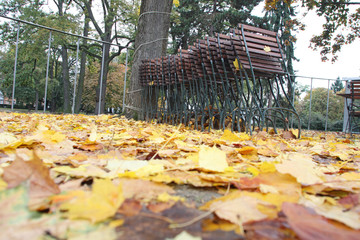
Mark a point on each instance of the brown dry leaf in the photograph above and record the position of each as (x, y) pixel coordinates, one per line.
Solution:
(288, 135)
(130, 207)
(308, 225)
(41, 184)
(161, 206)
(143, 190)
(331, 211)
(239, 210)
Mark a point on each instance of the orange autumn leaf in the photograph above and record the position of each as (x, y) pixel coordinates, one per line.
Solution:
(41, 184)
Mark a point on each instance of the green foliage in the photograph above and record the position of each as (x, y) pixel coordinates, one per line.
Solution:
(337, 85)
(115, 85)
(194, 19)
(318, 110)
(33, 51)
(342, 24)
(338, 16)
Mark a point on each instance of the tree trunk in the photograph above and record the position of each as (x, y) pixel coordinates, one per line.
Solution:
(80, 87)
(36, 100)
(65, 63)
(106, 60)
(65, 78)
(154, 28)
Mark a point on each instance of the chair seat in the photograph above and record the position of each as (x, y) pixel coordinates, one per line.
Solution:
(355, 113)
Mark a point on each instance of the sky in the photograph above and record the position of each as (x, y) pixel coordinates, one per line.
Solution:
(310, 64)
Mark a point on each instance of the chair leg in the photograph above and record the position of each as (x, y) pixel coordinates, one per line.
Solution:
(350, 123)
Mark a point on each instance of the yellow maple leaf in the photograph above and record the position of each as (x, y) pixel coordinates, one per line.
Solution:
(267, 49)
(253, 170)
(7, 138)
(101, 203)
(93, 134)
(230, 136)
(212, 159)
(165, 197)
(301, 167)
(267, 167)
(351, 176)
(176, 3)
(236, 64)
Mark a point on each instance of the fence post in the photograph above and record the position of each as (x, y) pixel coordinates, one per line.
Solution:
(293, 102)
(309, 123)
(101, 78)
(76, 72)
(327, 106)
(47, 71)
(346, 110)
(16, 55)
(126, 65)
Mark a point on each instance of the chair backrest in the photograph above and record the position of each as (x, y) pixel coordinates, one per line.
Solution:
(263, 48)
(355, 89)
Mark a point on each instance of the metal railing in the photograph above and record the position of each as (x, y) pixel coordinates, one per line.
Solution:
(51, 30)
(317, 82)
(313, 82)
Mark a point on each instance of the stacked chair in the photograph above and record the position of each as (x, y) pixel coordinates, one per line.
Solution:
(238, 81)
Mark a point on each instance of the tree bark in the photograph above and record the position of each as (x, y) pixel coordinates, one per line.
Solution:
(80, 87)
(110, 13)
(64, 63)
(65, 78)
(106, 60)
(150, 42)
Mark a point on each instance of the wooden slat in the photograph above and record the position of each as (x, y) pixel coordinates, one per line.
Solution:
(256, 29)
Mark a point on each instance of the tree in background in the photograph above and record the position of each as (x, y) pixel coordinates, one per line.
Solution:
(31, 54)
(115, 84)
(193, 19)
(113, 13)
(342, 25)
(318, 110)
(280, 17)
(337, 86)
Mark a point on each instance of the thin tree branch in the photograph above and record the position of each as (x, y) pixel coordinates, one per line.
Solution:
(115, 37)
(93, 20)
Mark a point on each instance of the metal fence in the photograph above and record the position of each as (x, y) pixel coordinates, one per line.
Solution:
(51, 31)
(312, 82)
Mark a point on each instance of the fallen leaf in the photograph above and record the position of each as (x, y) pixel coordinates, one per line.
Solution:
(159, 207)
(301, 167)
(230, 136)
(130, 207)
(267, 49)
(13, 205)
(87, 206)
(212, 159)
(185, 236)
(239, 210)
(349, 218)
(41, 184)
(308, 225)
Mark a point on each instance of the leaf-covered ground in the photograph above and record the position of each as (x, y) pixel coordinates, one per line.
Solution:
(106, 177)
